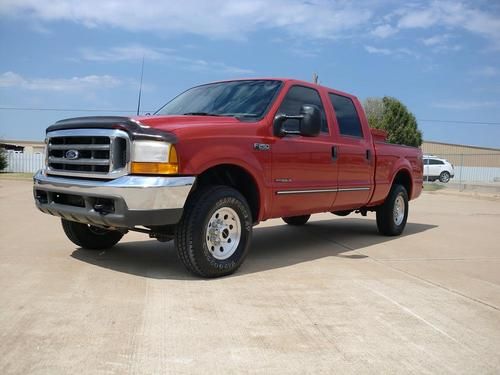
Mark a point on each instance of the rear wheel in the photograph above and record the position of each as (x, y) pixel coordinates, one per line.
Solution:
(89, 236)
(392, 215)
(296, 220)
(444, 177)
(213, 236)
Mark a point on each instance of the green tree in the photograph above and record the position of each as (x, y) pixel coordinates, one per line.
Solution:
(391, 115)
(3, 159)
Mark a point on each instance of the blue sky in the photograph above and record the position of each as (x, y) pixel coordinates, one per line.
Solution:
(441, 58)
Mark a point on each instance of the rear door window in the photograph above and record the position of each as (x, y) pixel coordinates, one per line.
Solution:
(347, 116)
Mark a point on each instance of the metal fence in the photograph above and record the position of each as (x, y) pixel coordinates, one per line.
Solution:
(468, 168)
(24, 162)
(471, 170)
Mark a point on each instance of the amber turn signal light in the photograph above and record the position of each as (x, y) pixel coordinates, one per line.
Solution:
(154, 168)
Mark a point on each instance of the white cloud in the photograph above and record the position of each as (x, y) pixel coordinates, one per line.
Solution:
(124, 53)
(465, 104)
(14, 80)
(216, 18)
(441, 43)
(384, 31)
(418, 19)
(452, 15)
(378, 51)
(436, 40)
(136, 52)
(486, 71)
(398, 52)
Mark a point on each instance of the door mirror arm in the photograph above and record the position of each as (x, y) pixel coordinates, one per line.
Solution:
(279, 119)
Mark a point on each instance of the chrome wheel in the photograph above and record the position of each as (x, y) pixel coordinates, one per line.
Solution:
(445, 177)
(399, 210)
(223, 233)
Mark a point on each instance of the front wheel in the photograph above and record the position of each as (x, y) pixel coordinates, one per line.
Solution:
(392, 215)
(444, 177)
(89, 236)
(213, 236)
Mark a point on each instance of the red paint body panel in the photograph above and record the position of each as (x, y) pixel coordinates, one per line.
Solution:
(296, 163)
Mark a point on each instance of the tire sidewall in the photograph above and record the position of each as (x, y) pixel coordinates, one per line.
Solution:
(82, 235)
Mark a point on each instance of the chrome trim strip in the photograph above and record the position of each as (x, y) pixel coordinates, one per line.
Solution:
(332, 190)
(353, 189)
(284, 192)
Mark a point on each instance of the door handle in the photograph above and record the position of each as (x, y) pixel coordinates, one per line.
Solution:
(334, 153)
(368, 155)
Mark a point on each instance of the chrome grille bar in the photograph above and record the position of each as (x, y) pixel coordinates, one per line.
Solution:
(79, 147)
(78, 161)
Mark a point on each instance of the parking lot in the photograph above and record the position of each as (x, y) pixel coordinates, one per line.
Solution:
(330, 297)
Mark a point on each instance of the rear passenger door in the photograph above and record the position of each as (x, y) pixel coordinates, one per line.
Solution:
(354, 153)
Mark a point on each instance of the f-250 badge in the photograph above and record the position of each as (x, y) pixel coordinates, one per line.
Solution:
(261, 146)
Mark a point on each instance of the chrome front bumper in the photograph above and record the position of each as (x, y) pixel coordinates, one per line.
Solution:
(127, 201)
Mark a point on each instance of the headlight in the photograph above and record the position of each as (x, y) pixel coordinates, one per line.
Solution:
(152, 157)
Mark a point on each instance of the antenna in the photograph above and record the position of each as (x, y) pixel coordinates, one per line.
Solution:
(140, 87)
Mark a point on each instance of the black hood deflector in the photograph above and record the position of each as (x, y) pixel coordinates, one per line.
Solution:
(135, 130)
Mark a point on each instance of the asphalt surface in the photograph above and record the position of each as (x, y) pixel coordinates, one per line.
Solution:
(330, 297)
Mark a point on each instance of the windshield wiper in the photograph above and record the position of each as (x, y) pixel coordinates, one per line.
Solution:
(200, 114)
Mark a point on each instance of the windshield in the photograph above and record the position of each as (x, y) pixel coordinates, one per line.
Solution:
(243, 99)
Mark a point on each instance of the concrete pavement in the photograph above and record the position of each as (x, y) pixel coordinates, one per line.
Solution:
(330, 297)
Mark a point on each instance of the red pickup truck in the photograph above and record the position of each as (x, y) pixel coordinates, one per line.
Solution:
(218, 159)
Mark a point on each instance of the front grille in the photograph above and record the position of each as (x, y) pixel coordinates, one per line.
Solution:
(76, 152)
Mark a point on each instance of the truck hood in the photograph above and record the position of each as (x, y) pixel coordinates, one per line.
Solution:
(178, 122)
(163, 128)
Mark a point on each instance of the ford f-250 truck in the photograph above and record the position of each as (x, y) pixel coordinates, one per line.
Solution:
(218, 159)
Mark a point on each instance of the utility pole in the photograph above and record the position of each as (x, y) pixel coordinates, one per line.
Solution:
(315, 78)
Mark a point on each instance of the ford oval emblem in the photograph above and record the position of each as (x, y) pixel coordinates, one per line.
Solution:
(72, 154)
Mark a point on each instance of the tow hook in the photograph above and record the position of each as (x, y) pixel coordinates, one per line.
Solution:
(103, 209)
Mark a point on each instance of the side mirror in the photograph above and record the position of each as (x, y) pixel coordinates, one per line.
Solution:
(309, 118)
(310, 125)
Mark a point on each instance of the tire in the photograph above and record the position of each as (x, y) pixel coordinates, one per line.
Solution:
(296, 220)
(390, 223)
(90, 237)
(444, 177)
(341, 213)
(213, 236)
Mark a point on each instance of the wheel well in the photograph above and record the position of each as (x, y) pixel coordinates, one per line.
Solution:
(236, 177)
(404, 178)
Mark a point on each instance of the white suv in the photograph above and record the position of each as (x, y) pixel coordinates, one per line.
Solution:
(437, 169)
